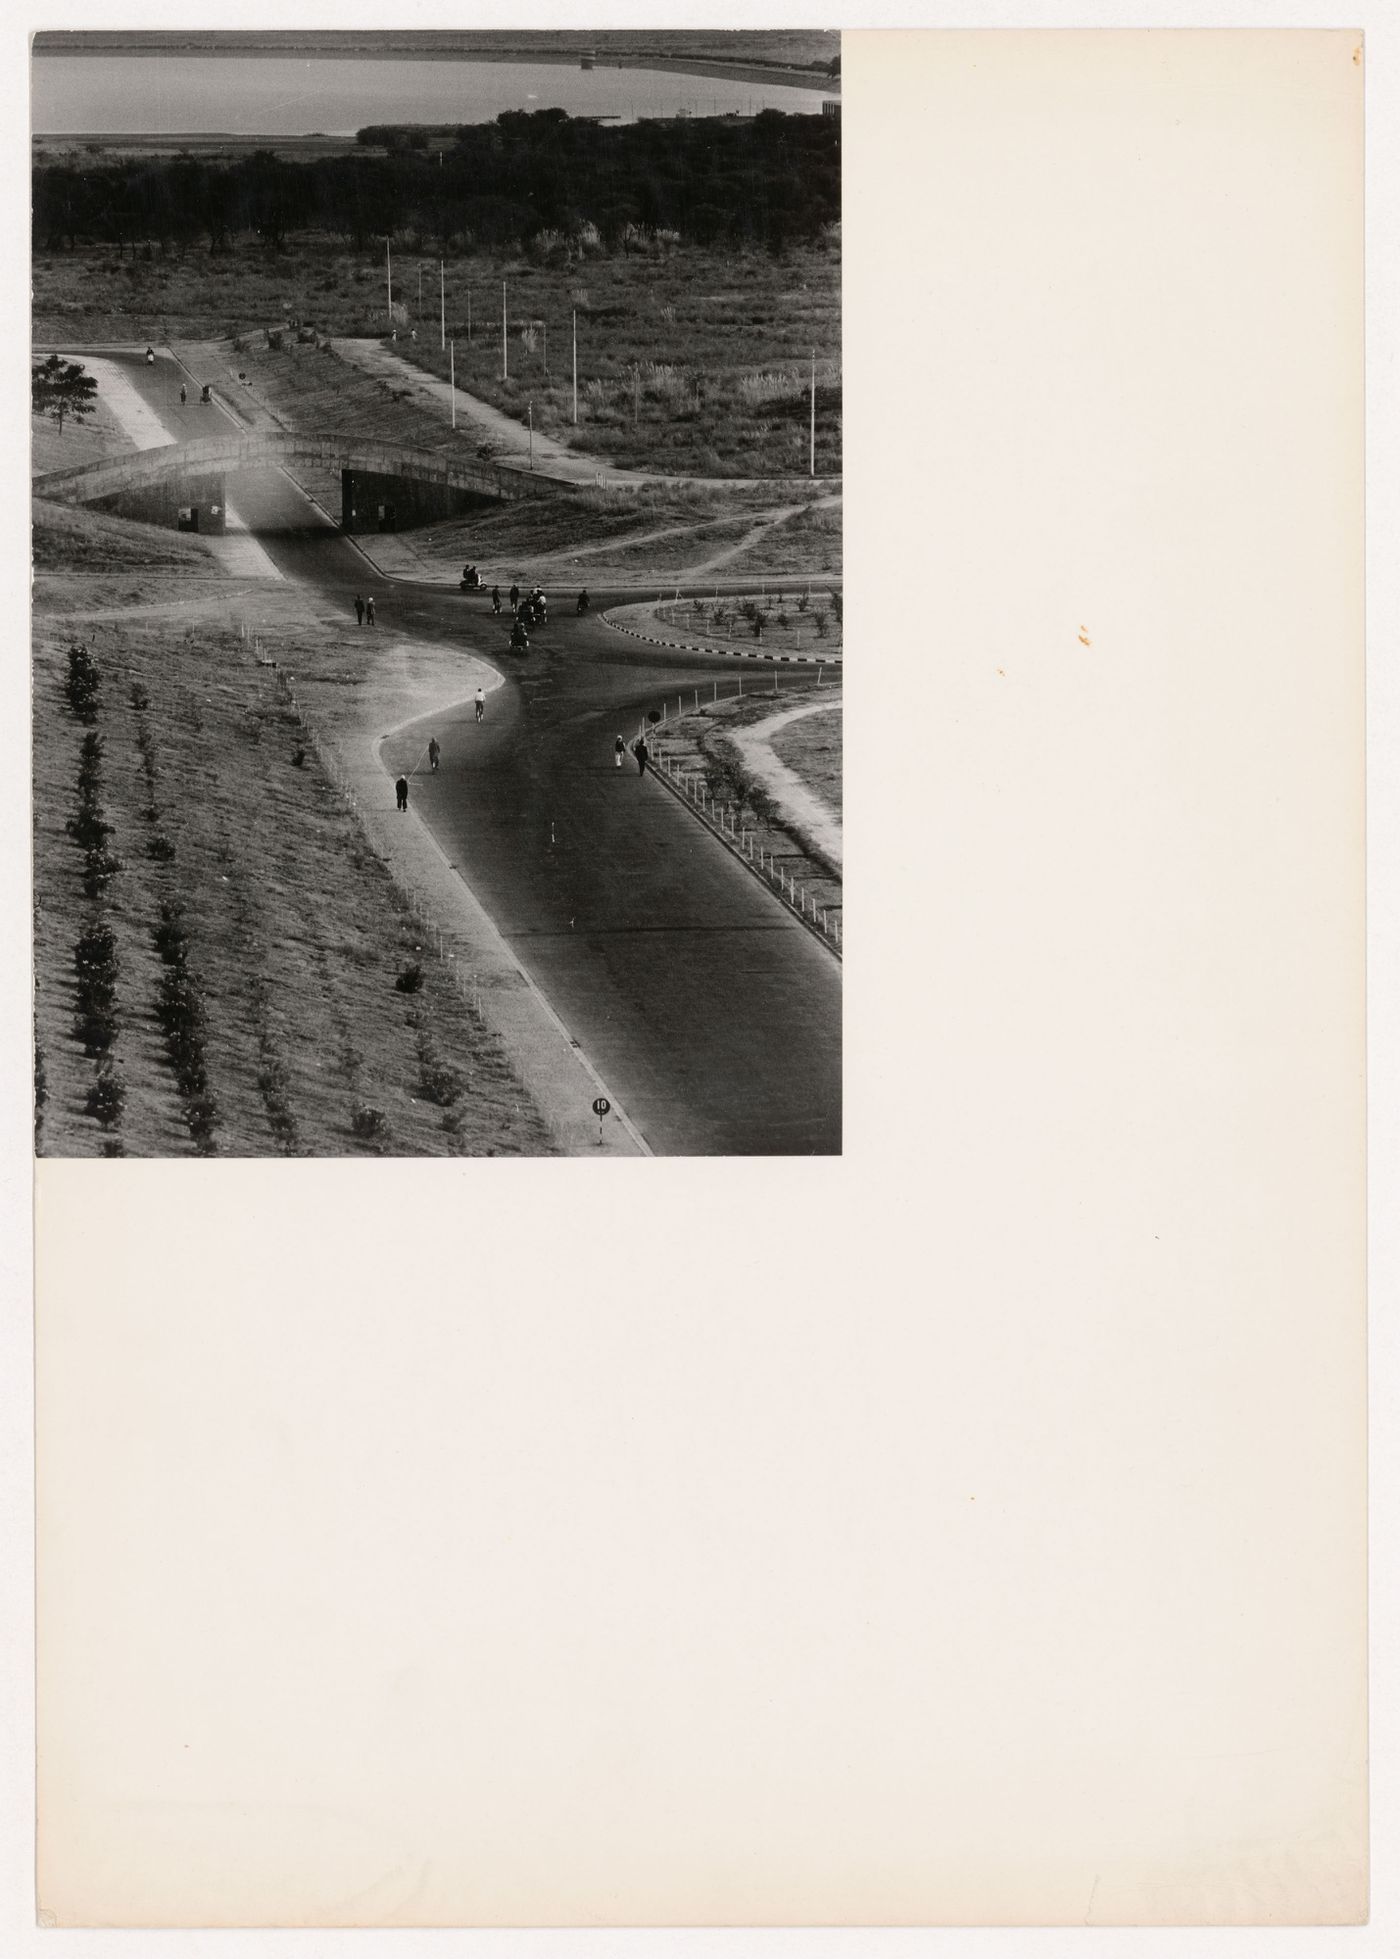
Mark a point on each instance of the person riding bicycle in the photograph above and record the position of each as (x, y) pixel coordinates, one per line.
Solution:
(184, 394)
(519, 638)
(150, 357)
(583, 600)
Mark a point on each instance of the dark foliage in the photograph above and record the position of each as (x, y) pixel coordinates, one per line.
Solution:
(772, 181)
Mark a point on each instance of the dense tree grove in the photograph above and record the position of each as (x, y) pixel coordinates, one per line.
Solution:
(545, 180)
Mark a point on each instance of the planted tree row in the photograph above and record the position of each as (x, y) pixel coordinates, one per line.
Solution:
(775, 180)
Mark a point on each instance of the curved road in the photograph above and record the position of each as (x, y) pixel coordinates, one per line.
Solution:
(712, 1014)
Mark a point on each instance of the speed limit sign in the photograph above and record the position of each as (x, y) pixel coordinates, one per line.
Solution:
(601, 1105)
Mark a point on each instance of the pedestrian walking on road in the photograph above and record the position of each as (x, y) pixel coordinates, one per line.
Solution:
(619, 750)
(496, 599)
(359, 610)
(480, 704)
(401, 791)
(184, 394)
(369, 609)
(642, 753)
(433, 752)
(514, 597)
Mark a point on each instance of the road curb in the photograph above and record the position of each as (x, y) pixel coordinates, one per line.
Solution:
(724, 652)
(755, 870)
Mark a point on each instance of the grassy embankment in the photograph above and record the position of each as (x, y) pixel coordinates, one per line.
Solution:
(811, 748)
(691, 363)
(218, 952)
(697, 740)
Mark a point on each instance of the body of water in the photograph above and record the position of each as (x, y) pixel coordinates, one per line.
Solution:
(272, 95)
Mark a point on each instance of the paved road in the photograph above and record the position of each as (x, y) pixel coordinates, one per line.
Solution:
(714, 1015)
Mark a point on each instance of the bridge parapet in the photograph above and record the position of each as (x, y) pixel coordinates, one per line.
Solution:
(226, 454)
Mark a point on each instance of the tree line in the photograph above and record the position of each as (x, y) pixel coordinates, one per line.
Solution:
(774, 180)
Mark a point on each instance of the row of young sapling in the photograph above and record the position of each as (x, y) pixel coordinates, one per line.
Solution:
(180, 1007)
(439, 1081)
(706, 791)
(95, 963)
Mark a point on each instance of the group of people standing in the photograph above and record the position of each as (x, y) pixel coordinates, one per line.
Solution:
(364, 610)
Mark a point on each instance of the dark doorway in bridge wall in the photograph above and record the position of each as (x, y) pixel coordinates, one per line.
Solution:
(372, 502)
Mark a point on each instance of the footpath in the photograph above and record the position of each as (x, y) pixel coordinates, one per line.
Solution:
(554, 461)
(411, 680)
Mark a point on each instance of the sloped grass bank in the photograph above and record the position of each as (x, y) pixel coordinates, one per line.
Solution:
(260, 984)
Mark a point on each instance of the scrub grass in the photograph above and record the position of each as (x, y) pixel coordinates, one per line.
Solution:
(241, 940)
(694, 362)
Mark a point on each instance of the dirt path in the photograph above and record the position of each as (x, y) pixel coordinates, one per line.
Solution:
(811, 817)
(552, 458)
(768, 522)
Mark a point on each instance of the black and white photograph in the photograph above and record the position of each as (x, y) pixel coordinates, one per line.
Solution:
(438, 627)
(934, 1493)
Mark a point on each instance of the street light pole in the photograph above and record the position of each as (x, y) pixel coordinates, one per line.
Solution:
(532, 435)
(505, 350)
(389, 278)
(442, 305)
(575, 367)
(814, 414)
(452, 359)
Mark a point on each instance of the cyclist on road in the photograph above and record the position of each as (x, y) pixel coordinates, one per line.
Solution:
(480, 708)
(583, 600)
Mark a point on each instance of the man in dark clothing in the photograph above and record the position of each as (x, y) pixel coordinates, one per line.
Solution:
(433, 752)
(401, 791)
(369, 608)
(495, 598)
(642, 753)
(514, 597)
(359, 610)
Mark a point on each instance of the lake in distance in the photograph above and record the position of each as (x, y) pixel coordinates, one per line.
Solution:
(275, 95)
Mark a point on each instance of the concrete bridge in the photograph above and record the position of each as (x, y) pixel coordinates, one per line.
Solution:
(384, 485)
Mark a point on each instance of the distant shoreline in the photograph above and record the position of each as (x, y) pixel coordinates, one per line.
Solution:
(751, 69)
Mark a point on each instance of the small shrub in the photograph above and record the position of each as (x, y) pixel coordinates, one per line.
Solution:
(83, 684)
(410, 978)
(170, 933)
(201, 1116)
(161, 848)
(107, 1097)
(440, 1083)
(370, 1125)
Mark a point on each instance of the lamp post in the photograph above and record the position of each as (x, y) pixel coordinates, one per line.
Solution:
(442, 305)
(813, 452)
(505, 350)
(575, 367)
(452, 381)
